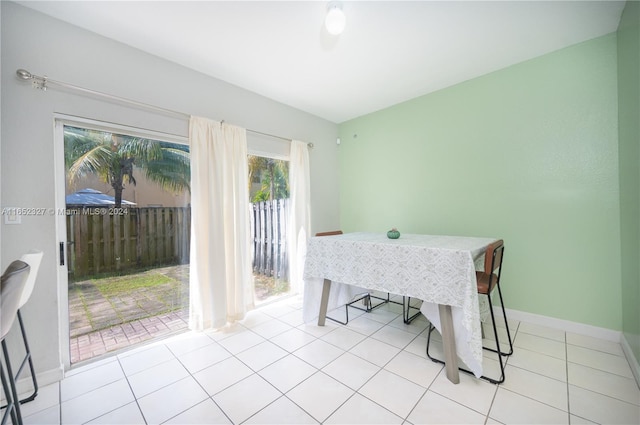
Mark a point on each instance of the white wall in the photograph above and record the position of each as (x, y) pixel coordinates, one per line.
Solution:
(46, 46)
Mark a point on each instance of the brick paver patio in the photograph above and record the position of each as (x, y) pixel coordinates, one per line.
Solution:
(102, 321)
(93, 344)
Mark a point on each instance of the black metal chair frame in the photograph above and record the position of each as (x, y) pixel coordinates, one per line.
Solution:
(406, 312)
(497, 350)
(366, 301)
(27, 359)
(14, 270)
(10, 406)
(407, 317)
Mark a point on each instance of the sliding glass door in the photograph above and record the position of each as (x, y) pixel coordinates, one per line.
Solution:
(127, 227)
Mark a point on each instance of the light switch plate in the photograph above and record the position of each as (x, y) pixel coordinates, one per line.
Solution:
(11, 216)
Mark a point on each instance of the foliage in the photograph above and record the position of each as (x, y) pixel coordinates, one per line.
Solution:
(273, 177)
(117, 285)
(114, 157)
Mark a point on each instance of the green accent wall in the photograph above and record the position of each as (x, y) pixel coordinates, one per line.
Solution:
(629, 133)
(528, 154)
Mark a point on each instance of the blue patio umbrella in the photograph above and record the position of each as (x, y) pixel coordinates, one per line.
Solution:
(93, 198)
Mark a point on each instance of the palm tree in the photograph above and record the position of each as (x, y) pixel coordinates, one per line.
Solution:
(113, 158)
(274, 175)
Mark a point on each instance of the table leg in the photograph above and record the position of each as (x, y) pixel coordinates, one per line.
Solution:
(324, 302)
(449, 343)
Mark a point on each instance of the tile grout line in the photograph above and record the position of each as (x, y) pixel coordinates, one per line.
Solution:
(190, 375)
(319, 370)
(288, 353)
(495, 394)
(135, 398)
(405, 419)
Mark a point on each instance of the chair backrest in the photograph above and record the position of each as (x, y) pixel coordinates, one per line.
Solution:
(33, 259)
(493, 259)
(11, 288)
(331, 233)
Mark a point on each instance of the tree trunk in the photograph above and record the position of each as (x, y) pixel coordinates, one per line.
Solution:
(118, 196)
(118, 187)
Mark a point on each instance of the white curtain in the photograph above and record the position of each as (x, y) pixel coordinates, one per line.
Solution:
(221, 282)
(300, 212)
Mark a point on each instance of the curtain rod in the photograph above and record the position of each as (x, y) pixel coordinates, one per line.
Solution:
(40, 83)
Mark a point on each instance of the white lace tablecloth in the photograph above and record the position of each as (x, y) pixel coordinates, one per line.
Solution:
(435, 269)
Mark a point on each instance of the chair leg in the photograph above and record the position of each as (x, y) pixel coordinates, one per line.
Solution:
(365, 300)
(369, 307)
(12, 383)
(504, 315)
(406, 313)
(506, 324)
(497, 350)
(11, 408)
(433, 359)
(346, 308)
(28, 358)
(500, 354)
(383, 301)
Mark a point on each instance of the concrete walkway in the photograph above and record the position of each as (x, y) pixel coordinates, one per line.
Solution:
(103, 320)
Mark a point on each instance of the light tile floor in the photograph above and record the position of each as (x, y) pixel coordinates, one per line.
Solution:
(274, 369)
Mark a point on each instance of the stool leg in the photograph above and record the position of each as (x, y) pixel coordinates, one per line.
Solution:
(11, 410)
(497, 350)
(506, 324)
(12, 383)
(30, 360)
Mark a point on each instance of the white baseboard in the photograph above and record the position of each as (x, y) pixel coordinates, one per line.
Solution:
(631, 358)
(581, 329)
(566, 325)
(25, 385)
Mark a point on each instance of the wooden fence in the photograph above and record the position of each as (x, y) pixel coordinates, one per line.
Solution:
(107, 243)
(269, 238)
(100, 241)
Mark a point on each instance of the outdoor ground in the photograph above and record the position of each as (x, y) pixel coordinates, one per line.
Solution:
(114, 313)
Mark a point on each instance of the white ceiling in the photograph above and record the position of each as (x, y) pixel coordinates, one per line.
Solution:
(390, 51)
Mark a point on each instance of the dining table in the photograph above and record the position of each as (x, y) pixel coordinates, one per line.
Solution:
(437, 269)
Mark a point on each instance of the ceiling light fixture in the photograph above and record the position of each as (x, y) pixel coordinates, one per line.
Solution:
(335, 19)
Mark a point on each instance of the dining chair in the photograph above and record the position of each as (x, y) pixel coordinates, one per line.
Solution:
(12, 285)
(487, 281)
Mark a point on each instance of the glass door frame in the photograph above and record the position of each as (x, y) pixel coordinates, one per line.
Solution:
(62, 275)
